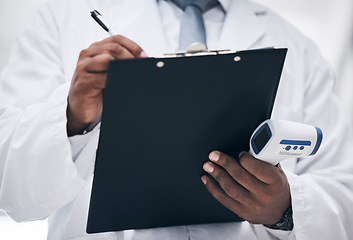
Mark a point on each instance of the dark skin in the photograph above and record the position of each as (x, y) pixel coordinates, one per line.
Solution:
(256, 191)
(85, 100)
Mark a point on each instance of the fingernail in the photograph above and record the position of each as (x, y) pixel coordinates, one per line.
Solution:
(208, 167)
(203, 179)
(241, 154)
(214, 156)
(143, 55)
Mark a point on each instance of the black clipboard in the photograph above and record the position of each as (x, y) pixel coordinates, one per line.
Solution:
(161, 118)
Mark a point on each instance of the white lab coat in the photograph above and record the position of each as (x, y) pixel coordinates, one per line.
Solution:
(45, 173)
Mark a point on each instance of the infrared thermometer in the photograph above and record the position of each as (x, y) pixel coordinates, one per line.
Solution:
(276, 140)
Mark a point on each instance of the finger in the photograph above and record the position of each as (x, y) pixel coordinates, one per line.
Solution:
(97, 64)
(227, 183)
(221, 196)
(116, 50)
(89, 84)
(238, 173)
(130, 45)
(99, 80)
(264, 171)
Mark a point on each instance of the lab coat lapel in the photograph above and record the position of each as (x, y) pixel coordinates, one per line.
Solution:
(242, 28)
(140, 21)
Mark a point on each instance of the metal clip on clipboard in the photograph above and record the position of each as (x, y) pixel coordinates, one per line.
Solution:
(197, 49)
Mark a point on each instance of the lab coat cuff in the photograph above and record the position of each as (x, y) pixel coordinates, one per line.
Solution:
(298, 206)
(78, 142)
(84, 149)
(261, 232)
(280, 234)
(299, 203)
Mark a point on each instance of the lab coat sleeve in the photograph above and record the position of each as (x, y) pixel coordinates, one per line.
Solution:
(321, 186)
(38, 173)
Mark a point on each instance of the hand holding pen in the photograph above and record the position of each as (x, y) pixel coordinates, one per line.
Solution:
(85, 100)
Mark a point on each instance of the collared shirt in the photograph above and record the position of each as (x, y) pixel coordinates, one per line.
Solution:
(171, 20)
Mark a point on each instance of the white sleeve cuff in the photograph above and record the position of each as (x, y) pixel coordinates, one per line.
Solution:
(78, 142)
(84, 149)
(263, 233)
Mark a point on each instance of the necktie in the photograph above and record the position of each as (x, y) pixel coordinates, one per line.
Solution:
(192, 26)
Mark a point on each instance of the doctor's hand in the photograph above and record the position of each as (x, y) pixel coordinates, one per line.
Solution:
(85, 100)
(255, 190)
